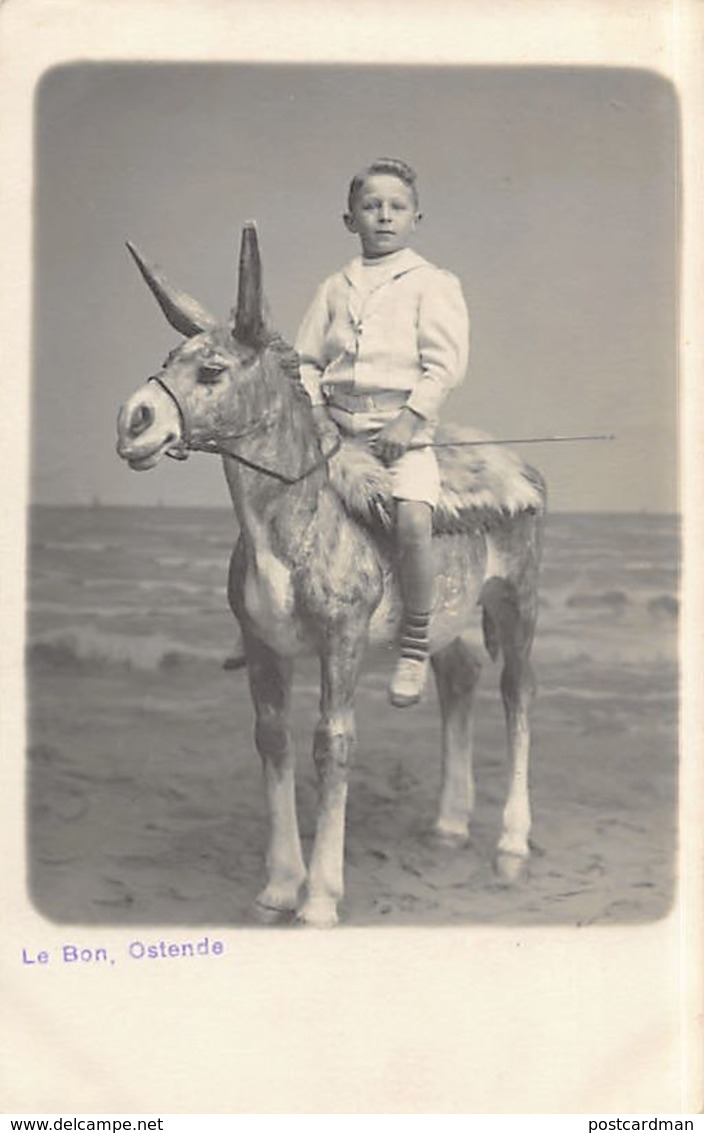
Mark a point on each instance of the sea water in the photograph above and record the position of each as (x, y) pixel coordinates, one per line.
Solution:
(146, 587)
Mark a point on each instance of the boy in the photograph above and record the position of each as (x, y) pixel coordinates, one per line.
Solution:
(383, 342)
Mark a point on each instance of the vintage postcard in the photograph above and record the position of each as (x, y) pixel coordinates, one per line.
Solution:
(464, 589)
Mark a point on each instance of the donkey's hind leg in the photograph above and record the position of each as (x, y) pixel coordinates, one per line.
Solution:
(457, 668)
(509, 620)
(270, 682)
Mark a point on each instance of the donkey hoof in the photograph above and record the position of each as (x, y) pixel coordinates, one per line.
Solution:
(511, 869)
(266, 916)
(318, 912)
(452, 837)
(274, 906)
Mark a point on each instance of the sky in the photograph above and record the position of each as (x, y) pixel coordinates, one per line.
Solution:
(551, 192)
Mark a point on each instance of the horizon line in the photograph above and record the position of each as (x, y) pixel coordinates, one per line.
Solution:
(158, 505)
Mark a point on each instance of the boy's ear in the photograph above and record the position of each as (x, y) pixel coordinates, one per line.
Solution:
(348, 221)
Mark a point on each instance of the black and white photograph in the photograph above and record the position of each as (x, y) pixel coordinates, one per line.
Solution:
(557, 220)
(353, 510)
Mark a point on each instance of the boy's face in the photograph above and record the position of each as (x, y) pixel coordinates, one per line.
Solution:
(384, 215)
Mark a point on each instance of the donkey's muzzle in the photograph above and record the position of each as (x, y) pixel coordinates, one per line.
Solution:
(141, 419)
(148, 428)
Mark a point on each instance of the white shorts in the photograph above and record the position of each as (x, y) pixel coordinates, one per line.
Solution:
(415, 475)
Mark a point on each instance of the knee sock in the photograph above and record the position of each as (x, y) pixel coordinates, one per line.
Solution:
(414, 638)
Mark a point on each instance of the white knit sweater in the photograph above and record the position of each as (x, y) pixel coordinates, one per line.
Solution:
(395, 324)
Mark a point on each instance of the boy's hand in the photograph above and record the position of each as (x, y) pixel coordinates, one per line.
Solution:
(394, 438)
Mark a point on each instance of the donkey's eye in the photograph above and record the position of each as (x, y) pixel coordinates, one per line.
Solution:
(210, 373)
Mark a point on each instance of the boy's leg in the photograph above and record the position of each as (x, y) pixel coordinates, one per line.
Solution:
(415, 566)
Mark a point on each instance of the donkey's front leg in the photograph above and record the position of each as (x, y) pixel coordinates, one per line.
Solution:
(270, 682)
(334, 745)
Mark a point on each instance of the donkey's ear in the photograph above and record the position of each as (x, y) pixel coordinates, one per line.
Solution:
(185, 314)
(250, 315)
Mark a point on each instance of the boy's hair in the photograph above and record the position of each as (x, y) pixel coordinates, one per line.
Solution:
(392, 166)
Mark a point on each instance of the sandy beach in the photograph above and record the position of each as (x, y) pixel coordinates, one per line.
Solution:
(147, 803)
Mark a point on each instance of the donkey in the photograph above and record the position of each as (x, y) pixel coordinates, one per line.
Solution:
(311, 572)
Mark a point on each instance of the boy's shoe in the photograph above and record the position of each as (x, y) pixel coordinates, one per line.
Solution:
(408, 682)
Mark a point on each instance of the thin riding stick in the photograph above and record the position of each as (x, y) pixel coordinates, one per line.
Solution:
(516, 441)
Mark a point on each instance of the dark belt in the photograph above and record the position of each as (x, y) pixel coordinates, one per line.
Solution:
(366, 402)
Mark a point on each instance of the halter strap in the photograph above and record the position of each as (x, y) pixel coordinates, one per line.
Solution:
(281, 476)
(272, 472)
(162, 384)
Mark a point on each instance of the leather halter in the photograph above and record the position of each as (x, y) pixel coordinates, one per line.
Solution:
(282, 477)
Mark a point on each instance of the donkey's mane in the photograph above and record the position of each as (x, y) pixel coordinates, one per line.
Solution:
(286, 356)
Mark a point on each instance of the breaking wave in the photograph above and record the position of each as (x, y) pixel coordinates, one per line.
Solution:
(89, 648)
